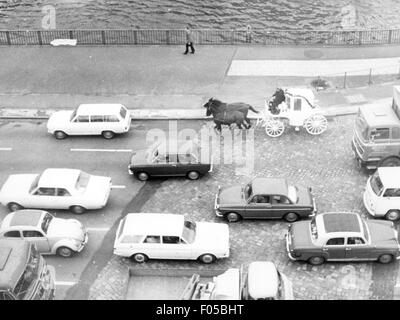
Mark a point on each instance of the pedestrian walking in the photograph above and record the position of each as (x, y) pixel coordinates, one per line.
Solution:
(189, 41)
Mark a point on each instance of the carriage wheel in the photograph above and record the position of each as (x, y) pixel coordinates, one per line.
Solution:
(316, 124)
(274, 128)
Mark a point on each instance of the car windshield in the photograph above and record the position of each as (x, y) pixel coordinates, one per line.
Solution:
(122, 112)
(292, 194)
(376, 184)
(365, 227)
(35, 183)
(189, 231)
(46, 222)
(27, 280)
(82, 181)
(248, 190)
(73, 115)
(362, 127)
(313, 227)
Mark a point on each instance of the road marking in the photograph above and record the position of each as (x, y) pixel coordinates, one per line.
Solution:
(356, 98)
(65, 283)
(5, 149)
(98, 229)
(101, 150)
(118, 187)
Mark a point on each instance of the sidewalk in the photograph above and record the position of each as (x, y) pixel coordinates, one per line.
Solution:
(157, 78)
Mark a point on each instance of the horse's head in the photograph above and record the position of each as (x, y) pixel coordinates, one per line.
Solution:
(208, 112)
(208, 103)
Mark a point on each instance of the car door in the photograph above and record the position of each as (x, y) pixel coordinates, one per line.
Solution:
(259, 207)
(96, 124)
(176, 248)
(80, 125)
(63, 198)
(280, 206)
(38, 238)
(161, 166)
(153, 247)
(186, 163)
(43, 198)
(390, 200)
(357, 249)
(335, 249)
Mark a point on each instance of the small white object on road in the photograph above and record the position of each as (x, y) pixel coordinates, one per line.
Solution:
(118, 187)
(5, 149)
(63, 42)
(101, 150)
(98, 229)
(65, 283)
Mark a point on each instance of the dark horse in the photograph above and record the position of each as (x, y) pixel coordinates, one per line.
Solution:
(226, 117)
(277, 98)
(235, 106)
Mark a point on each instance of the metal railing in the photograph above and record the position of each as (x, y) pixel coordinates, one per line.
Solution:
(202, 37)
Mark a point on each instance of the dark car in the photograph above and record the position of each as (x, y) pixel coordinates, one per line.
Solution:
(265, 198)
(160, 161)
(342, 237)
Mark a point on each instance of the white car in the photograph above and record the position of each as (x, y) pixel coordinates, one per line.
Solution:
(382, 193)
(143, 236)
(68, 189)
(90, 119)
(50, 235)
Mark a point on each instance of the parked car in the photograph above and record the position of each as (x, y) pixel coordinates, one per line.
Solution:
(90, 119)
(339, 236)
(70, 189)
(265, 198)
(143, 236)
(163, 160)
(50, 235)
(382, 193)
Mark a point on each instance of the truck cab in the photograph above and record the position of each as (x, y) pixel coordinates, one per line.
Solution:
(376, 135)
(24, 274)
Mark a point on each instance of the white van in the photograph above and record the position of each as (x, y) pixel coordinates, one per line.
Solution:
(90, 119)
(143, 236)
(382, 193)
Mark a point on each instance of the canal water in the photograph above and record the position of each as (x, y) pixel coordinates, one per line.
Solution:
(221, 14)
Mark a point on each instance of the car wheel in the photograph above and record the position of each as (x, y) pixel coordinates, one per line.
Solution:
(142, 176)
(291, 217)
(60, 135)
(207, 258)
(140, 257)
(233, 217)
(393, 215)
(108, 134)
(316, 261)
(385, 258)
(65, 252)
(77, 209)
(14, 206)
(193, 175)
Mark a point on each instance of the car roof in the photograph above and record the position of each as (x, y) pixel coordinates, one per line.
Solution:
(302, 92)
(263, 279)
(13, 257)
(269, 186)
(54, 178)
(153, 224)
(348, 223)
(379, 114)
(99, 108)
(390, 176)
(23, 218)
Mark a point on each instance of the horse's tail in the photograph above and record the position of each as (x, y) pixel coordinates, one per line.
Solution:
(252, 109)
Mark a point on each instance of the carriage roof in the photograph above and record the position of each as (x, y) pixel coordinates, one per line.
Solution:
(306, 93)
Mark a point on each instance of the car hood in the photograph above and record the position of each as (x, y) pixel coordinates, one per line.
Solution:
(139, 158)
(17, 184)
(382, 233)
(305, 196)
(59, 117)
(66, 228)
(300, 235)
(98, 188)
(212, 235)
(231, 196)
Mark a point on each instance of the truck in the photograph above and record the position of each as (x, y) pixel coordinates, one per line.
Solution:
(24, 274)
(376, 134)
(260, 280)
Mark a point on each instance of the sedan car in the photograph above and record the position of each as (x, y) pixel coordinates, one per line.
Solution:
(339, 236)
(70, 189)
(265, 198)
(162, 161)
(51, 235)
(143, 236)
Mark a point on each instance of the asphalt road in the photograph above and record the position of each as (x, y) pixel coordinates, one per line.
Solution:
(25, 147)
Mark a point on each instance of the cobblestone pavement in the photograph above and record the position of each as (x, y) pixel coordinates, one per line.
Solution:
(325, 163)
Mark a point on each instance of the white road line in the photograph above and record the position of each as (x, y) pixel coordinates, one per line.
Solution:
(97, 229)
(65, 283)
(102, 150)
(5, 149)
(118, 187)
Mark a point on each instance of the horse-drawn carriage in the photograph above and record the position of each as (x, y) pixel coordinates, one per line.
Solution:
(293, 107)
